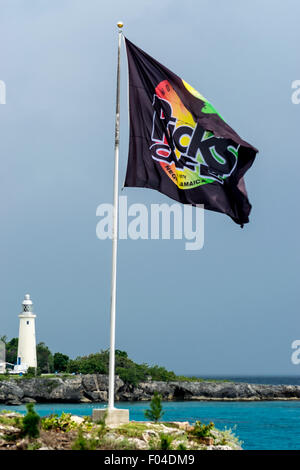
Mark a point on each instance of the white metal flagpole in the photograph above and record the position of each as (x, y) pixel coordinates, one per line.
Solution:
(111, 387)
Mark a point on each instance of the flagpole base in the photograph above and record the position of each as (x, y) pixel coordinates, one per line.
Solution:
(111, 416)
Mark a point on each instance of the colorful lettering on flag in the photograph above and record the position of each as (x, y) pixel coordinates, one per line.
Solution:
(180, 145)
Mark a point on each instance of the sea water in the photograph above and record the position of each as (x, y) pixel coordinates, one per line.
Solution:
(260, 425)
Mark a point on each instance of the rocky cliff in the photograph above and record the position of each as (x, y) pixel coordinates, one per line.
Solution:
(94, 388)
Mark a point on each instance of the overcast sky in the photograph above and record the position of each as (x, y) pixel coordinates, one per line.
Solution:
(230, 308)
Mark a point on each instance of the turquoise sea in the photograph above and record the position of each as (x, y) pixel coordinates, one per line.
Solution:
(260, 425)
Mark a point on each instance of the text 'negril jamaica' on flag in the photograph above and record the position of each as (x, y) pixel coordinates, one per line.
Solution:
(180, 145)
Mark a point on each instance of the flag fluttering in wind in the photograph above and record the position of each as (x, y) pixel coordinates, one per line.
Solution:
(180, 145)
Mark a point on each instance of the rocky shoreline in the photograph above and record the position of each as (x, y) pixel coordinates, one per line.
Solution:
(71, 432)
(94, 388)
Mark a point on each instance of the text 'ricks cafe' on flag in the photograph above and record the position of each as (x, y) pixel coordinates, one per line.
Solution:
(180, 145)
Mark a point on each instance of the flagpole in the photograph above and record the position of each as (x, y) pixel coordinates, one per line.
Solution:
(111, 380)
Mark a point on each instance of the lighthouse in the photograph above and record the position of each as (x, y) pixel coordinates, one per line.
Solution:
(27, 343)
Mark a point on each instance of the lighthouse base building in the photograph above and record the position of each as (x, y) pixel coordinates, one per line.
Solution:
(27, 343)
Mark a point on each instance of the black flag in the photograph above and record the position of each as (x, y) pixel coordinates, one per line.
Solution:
(180, 145)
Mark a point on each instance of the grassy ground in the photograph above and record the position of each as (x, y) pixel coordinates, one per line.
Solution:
(43, 376)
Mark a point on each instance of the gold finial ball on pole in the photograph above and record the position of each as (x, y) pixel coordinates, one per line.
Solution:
(120, 24)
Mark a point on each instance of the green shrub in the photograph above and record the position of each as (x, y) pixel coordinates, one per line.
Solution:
(161, 373)
(31, 422)
(102, 426)
(227, 437)
(202, 430)
(155, 413)
(34, 446)
(58, 423)
(83, 443)
(50, 422)
(165, 441)
(181, 446)
(31, 372)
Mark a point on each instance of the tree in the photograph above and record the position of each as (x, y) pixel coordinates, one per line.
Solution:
(128, 375)
(161, 373)
(44, 358)
(31, 422)
(12, 350)
(155, 413)
(128, 370)
(92, 364)
(60, 362)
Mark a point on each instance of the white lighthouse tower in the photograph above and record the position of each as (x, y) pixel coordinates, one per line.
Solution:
(27, 343)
